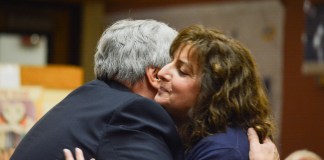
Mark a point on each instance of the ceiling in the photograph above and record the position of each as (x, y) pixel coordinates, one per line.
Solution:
(115, 5)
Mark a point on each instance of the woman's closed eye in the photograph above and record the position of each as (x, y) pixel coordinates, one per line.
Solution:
(183, 72)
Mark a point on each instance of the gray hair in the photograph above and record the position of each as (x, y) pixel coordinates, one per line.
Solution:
(128, 47)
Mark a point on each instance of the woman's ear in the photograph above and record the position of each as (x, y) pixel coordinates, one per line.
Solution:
(152, 77)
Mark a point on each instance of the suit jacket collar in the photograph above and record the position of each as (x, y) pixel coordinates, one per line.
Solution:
(112, 84)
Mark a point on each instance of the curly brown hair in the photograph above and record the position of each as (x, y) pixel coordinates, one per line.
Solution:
(232, 93)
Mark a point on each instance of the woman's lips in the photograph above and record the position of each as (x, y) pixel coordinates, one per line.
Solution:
(163, 89)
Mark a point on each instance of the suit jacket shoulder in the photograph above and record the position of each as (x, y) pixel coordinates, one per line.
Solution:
(106, 121)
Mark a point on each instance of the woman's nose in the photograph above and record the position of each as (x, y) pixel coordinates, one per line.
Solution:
(164, 73)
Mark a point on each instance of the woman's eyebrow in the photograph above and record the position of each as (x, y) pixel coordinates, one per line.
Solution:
(185, 63)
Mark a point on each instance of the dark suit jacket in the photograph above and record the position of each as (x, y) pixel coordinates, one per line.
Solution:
(107, 121)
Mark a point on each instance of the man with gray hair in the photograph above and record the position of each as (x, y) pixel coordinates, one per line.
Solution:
(114, 116)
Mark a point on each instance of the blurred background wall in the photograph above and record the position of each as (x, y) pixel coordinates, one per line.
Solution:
(71, 29)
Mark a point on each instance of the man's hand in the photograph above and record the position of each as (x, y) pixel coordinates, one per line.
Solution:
(265, 151)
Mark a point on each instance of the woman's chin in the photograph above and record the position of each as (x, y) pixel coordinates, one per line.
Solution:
(162, 101)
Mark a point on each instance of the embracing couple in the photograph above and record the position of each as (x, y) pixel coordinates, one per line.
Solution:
(160, 95)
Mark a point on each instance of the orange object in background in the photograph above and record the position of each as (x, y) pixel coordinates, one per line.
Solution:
(56, 82)
(52, 76)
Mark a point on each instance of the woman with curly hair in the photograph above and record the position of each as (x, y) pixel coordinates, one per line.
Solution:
(213, 91)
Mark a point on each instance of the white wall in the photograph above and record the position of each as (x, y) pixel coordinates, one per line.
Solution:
(12, 50)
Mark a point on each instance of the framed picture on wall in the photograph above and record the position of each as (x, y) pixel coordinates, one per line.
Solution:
(57, 23)
(313, 39)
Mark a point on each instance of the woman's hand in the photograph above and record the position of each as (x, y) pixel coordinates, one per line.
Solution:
(265, 151)
(78, 154)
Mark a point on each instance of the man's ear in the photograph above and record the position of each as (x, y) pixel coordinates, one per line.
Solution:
(152, 77)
